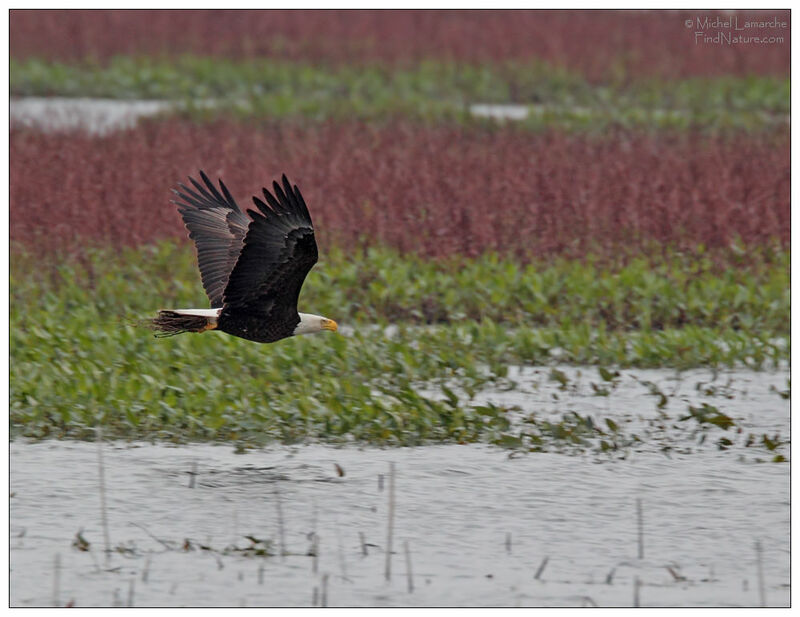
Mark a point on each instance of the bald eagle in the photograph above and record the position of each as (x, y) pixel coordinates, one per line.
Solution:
(252, 265)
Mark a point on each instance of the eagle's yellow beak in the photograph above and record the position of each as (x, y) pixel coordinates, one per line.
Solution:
(329, 324)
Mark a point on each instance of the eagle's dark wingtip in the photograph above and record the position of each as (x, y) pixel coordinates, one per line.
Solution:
(277, 202)
(287, 189)
(276, 188)
(228, 196)
(263, 208)
(255, 213)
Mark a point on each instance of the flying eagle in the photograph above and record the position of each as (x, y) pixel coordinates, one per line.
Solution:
(252, 267)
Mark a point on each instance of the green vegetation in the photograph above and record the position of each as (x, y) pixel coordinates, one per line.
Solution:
(427, 347)
(431, 90)
(77, 360)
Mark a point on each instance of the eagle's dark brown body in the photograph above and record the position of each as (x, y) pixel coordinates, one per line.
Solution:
(254, 328)
(252, 265)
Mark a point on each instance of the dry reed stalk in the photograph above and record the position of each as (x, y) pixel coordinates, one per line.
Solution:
(281, 533)
(640, 527)
(541, 568)
(193, 474)
(390, 524)
(762, 594)
(315, 558)
(409, 574)
(340, 550)
(101, 473)
(57, 580)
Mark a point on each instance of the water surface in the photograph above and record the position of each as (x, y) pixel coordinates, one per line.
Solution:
(479, 523)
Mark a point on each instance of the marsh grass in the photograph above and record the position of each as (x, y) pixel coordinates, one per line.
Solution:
(432, 90)
(78, 362)
(436, 191)
(599, 44)
(592, 297)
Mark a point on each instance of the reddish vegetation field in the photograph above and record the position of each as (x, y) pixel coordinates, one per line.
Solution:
(595, 43)
(436, 190)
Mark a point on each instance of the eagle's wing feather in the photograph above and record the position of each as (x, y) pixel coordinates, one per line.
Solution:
(218, 227)
(278, 252)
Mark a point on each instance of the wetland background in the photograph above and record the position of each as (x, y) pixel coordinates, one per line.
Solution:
(566, 313)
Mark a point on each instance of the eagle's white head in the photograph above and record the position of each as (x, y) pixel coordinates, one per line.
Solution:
(314, 323)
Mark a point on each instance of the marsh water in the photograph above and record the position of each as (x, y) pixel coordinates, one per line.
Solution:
(97, 116)
(202, 525)
(101, 116)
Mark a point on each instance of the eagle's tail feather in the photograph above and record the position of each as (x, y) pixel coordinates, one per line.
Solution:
(170, 323)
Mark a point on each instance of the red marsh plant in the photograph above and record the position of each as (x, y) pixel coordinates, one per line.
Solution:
(598, 44)
(435, 190)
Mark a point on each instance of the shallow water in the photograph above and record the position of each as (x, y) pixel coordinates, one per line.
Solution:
(752, 399)
(500, 111)
(99, 116)
(479, 523)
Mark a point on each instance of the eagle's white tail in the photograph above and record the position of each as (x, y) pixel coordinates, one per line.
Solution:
(171, 322)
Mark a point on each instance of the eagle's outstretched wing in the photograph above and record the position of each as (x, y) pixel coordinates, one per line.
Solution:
(218, 227)
(278, 252)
